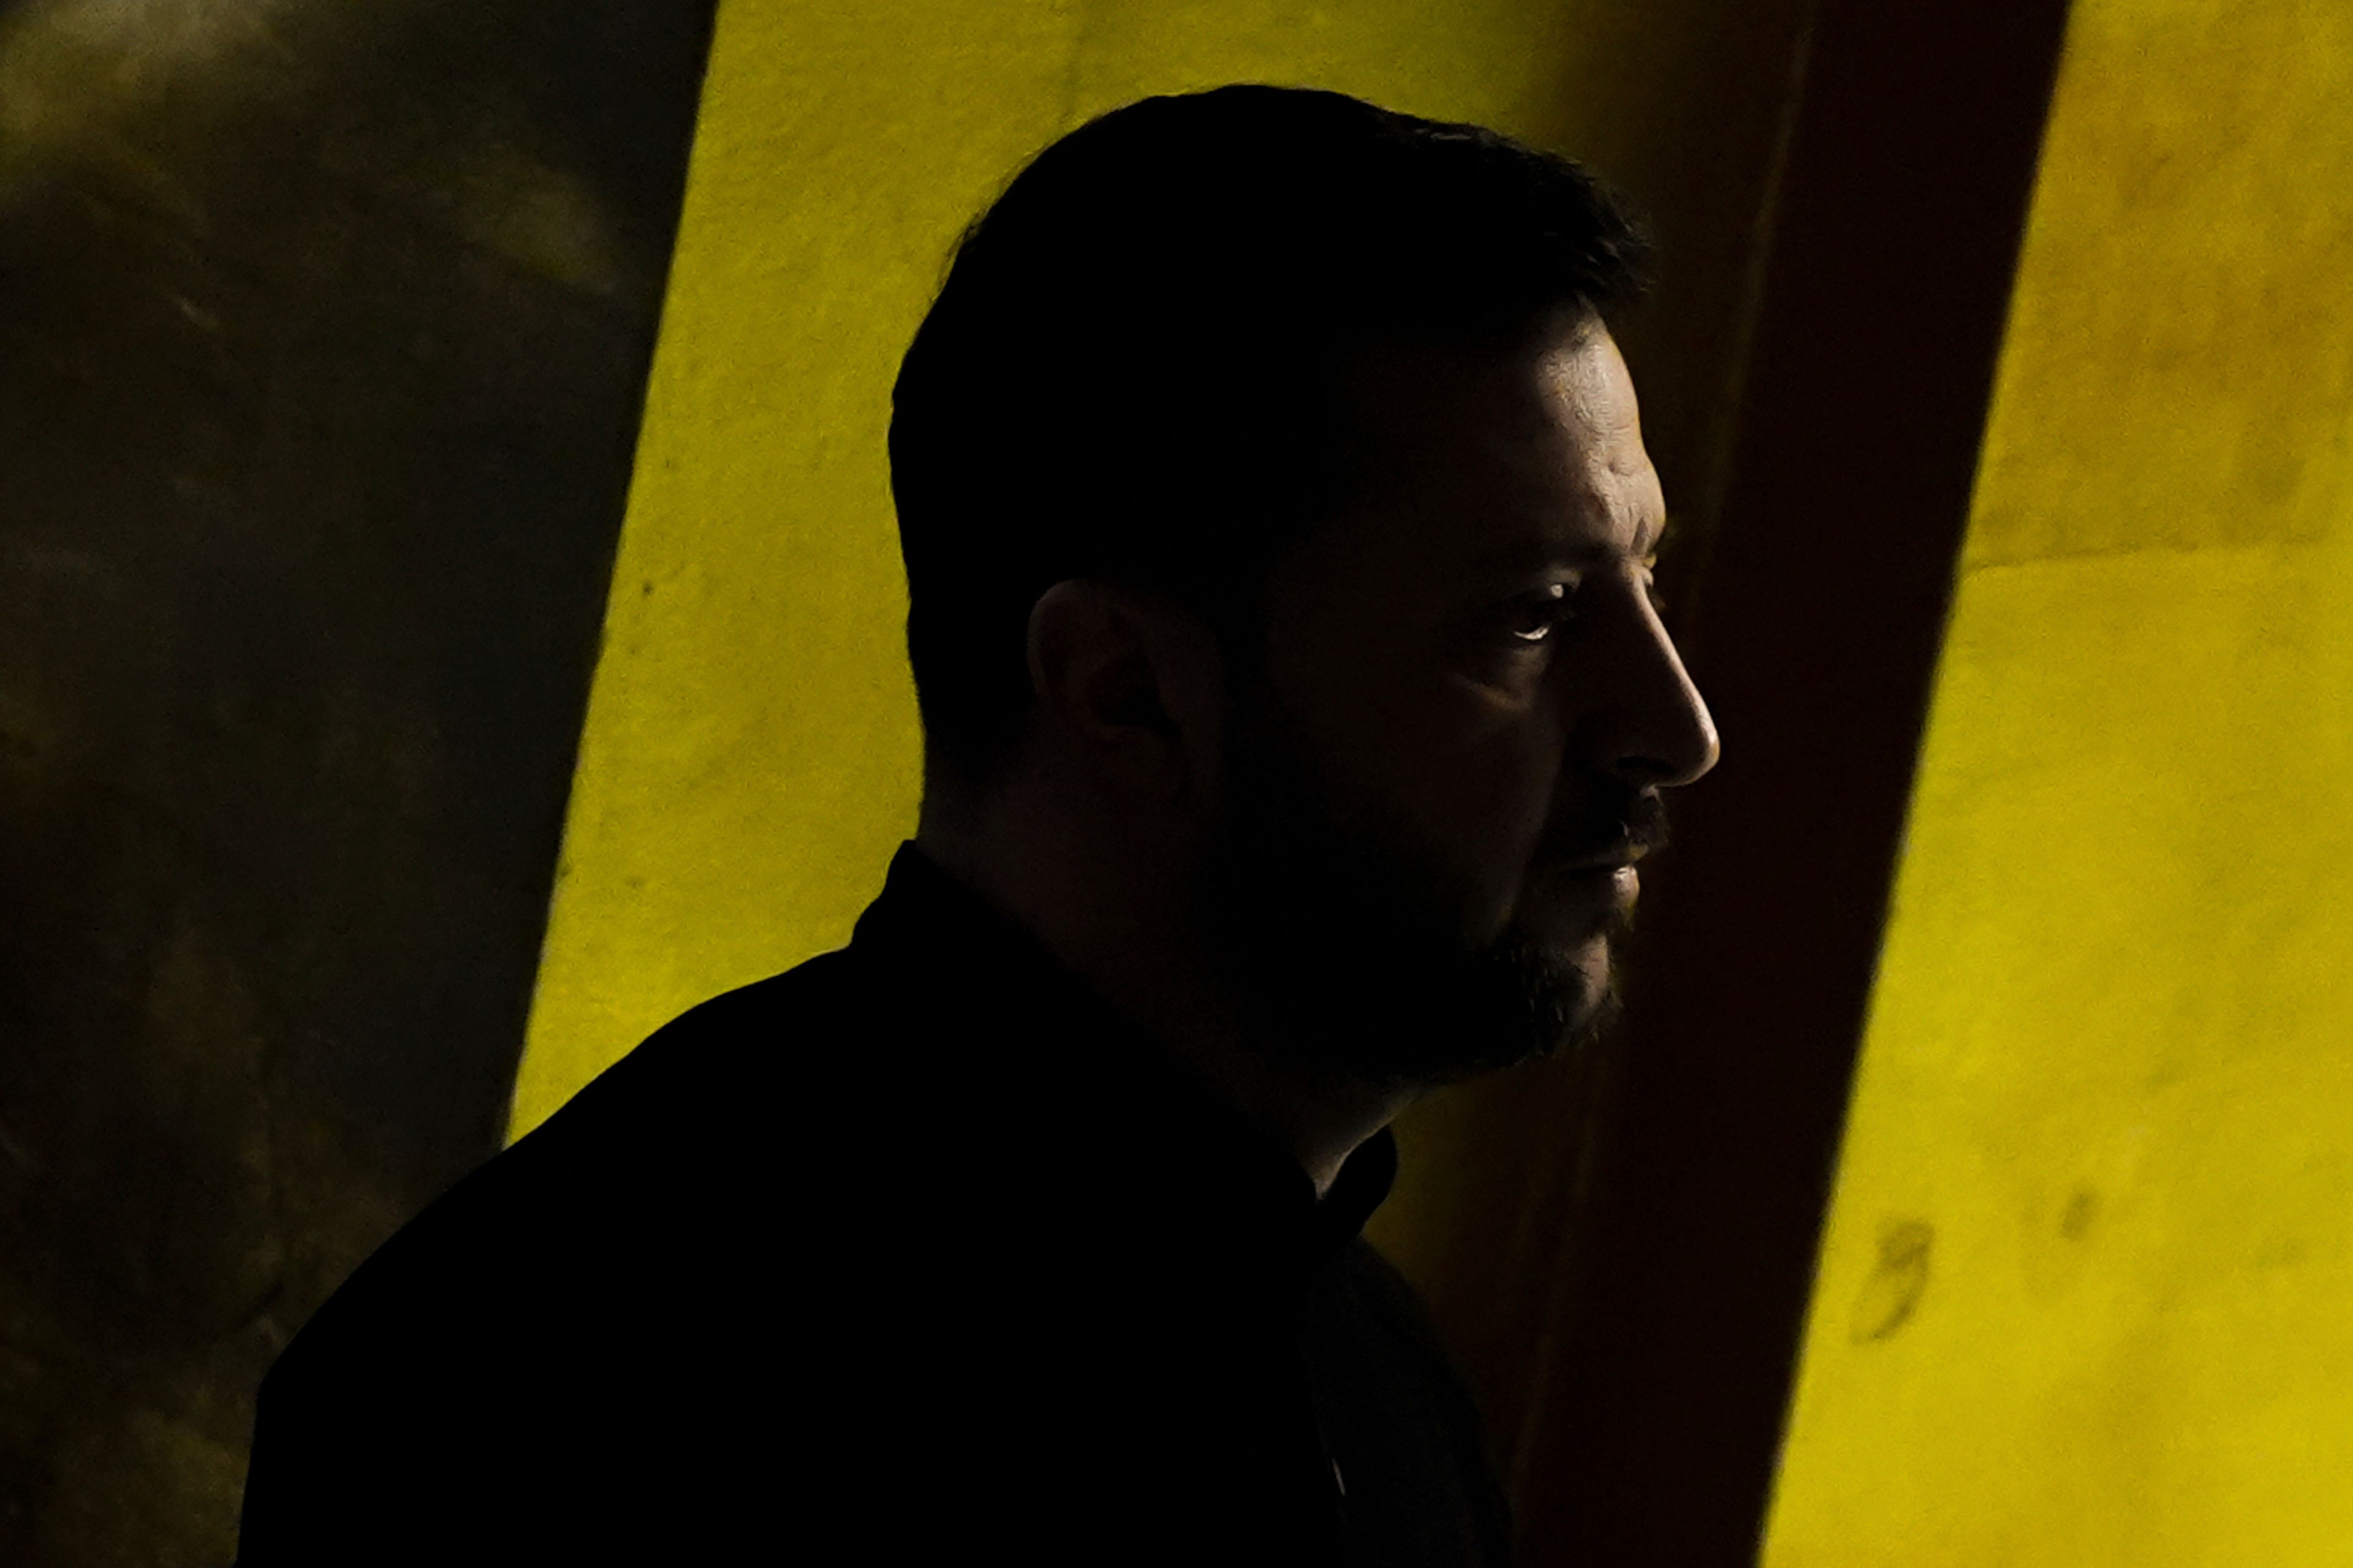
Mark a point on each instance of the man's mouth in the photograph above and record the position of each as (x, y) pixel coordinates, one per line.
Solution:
(1617, 842)
(1619, 856)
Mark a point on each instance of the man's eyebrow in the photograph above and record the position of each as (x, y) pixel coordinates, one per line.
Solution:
(1536, 554)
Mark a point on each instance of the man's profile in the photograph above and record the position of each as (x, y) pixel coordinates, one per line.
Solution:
(1279, 538)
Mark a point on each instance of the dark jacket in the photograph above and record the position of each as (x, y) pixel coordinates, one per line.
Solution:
(915, 1253)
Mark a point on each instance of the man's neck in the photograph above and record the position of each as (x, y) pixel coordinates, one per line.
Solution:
(1130, 946)
(1320, 1121)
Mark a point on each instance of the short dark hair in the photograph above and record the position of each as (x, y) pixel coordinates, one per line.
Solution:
(1138, 367)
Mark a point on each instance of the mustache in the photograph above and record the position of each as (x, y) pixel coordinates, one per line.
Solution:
(1628, 828)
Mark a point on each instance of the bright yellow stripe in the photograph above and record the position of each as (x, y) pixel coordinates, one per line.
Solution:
(2087, 1291)
(751, 751)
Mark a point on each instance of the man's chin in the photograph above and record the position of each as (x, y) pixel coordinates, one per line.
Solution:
(1517, 1000)
(1589, 968)
(1572, 909)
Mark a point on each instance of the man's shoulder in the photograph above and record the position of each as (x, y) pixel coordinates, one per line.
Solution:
(653, 1160)
(718, 1063)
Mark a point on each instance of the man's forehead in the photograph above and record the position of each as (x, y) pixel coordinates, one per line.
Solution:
(1525, 457)
(1585, 377)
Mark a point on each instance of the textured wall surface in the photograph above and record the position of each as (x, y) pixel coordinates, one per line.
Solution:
(751, 755)
(2085, 1294)
(323, 330)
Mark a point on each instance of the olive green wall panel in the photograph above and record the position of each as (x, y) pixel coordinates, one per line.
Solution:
(323, 328)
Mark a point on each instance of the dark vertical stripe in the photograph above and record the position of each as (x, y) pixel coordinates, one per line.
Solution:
(1822, 605)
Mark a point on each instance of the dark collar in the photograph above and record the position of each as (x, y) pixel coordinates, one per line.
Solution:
(1179, 1151)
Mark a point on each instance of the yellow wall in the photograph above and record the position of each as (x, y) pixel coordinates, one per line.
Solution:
(751, 752)
(2087, 1296)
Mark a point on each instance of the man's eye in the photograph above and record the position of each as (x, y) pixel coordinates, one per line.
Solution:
(1534, 618)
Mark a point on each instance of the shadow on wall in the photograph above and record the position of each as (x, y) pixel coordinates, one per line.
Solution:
(326, 327)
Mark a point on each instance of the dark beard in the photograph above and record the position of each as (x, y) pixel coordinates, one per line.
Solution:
(1347, 952)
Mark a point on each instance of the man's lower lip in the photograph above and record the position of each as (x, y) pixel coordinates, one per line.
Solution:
(1624, 881)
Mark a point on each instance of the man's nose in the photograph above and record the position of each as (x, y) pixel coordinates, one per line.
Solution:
(1645, 721)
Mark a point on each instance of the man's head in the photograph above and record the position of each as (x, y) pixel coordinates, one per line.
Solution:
(1266, 461)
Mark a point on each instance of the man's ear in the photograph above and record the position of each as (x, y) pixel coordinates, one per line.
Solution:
(1129, 686)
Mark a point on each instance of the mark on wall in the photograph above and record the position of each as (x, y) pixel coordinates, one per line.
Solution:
(1899, 1276)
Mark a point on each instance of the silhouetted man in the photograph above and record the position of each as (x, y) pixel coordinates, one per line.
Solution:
(1279, 538)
